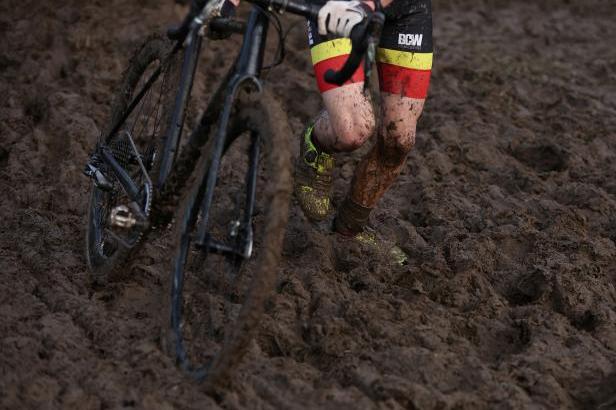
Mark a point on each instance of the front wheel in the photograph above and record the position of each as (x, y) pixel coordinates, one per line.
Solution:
(213, 301)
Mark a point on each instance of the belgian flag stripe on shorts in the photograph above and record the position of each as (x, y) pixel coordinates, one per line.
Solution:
(404, 56)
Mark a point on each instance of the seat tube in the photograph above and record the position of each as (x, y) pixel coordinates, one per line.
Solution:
(250, 60)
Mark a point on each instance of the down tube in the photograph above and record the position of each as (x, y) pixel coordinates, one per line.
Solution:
(174, 131)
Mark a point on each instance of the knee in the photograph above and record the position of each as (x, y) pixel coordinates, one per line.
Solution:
(397, 140)
(353, 132)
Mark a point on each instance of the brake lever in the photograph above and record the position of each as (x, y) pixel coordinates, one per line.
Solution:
(200, 22)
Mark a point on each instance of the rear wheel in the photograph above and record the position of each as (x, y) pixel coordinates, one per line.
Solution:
(107, 247)
(213, 302)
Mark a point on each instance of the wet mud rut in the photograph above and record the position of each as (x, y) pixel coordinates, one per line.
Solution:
(507, 207)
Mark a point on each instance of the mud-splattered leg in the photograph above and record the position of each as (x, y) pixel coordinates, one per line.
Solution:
(347, 121)
(345, 124)
(379, 168)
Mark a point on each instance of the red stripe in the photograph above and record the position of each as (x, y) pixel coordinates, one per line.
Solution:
(335, 63)
(411, 83)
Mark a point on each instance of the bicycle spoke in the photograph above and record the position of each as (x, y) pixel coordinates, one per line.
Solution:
(139, 118)
(142, 104)
(146, 120)
(160, 97)
(151, 111)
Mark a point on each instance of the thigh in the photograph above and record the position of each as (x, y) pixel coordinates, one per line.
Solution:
(346, 102)
(399, 117)
(398, 108)
(404, 56)
(329, 54)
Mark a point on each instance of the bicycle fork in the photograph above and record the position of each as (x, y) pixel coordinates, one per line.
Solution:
(247, 71)
(240, 229)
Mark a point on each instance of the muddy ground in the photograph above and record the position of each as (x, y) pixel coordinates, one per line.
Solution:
(507, 208)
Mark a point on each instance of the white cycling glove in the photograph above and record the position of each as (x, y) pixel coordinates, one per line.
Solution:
(339, 17)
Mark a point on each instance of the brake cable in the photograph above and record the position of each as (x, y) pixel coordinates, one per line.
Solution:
(280, 48)
(370, 55)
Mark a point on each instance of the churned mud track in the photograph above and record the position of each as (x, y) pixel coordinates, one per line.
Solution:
(507, 208)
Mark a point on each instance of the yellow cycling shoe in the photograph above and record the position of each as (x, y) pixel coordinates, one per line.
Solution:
(373, 241)
(351, 224)
(313, 179)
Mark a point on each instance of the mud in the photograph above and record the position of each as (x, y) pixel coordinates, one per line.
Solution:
(507, 208)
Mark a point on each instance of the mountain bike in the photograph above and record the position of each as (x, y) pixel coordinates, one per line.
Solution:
(225, 251)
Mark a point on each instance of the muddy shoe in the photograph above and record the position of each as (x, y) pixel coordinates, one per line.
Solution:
(313, 179)
(374, 242)
(352, 224)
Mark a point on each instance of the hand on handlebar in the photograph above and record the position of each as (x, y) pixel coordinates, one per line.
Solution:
(353, 19)
(340, 17)
(364, 36)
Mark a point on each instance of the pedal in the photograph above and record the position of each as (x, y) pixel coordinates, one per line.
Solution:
(126, 217)
(100, 180)
(245, 235)
(234, 228)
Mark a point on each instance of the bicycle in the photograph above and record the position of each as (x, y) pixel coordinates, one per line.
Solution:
(231, 289)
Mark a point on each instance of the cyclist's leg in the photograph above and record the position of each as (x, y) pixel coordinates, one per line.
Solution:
(378, 169)
(345, 124)
(404, 64)
(348, 119)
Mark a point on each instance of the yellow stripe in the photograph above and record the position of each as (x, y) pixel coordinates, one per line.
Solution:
(342, 46)
(406, 59)
(329, 49)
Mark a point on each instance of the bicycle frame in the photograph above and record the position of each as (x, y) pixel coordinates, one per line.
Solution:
(246, 69)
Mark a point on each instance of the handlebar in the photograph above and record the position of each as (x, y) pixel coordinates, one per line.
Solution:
(359, 44)
(362, 35)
